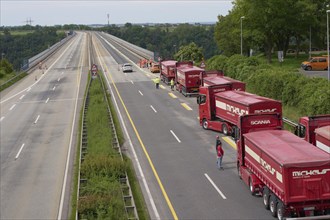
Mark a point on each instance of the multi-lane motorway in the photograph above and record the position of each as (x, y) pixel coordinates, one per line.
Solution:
(173, 156)
(38, 122)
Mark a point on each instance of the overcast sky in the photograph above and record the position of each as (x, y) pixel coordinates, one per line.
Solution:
(53, 12)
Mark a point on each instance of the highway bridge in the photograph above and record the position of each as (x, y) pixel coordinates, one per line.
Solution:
(173, 156)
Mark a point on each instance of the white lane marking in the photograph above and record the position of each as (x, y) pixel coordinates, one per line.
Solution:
(140, 92)
(59, 214)
(59, 57)
(22, 97)
(47, 100)
(132, 82)
(175, 136)
(215, 186)
(2, 118)
(35, 122)
(58, 79)
(28, 89)
(62, 73)
(152, 202)
(12, 107)
(54, 88)
(17, 155)
(153, 108)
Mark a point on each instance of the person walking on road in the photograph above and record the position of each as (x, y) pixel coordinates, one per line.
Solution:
(172, 84)
(220, 154)
(157, 81)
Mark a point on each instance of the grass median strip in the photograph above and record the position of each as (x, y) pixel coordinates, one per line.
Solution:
(100, 192)
(102, 168)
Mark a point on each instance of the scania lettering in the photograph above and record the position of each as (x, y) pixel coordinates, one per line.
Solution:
(291, 175)
(229, 105)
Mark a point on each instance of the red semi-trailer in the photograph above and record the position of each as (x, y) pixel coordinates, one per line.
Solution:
(322, 137)
(229, 106)
(206, 99)
(167, 72)
(292, 176)
(188, 78)
(306, 126)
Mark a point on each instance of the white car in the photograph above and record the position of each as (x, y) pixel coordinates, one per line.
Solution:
(127, 67)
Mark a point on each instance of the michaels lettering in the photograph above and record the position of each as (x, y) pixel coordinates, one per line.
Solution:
(236, 110)
(307, 173)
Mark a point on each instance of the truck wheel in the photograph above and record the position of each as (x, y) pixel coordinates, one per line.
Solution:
(205, 124)
(265, 196)
(251, 186)
(273, 205)
(280, 210)
(309, 68)
(225, 129)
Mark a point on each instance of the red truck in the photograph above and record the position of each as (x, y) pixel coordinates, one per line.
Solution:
(306, 126)
(206, 99)
(167, 71)
(292, 177)
(188, 78)
(322, 137)
(221, 111)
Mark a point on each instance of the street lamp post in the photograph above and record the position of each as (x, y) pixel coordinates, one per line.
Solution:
(328, 43)
(242, 34)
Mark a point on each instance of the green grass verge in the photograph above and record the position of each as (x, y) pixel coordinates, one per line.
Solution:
(102, 167)
(4, 85)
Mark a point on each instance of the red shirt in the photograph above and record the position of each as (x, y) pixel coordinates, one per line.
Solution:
(220, 151)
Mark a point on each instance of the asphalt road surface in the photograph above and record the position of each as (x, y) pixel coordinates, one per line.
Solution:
(38, 117)
(177, 157)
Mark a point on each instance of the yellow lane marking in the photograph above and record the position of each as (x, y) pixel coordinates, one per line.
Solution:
(230, 142)
(186, 106)
(172, 95)
(161, 86)
(144, 149)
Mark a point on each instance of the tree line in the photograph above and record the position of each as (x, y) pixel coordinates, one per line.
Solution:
(272, 25)
(167, 40)
(18, 48)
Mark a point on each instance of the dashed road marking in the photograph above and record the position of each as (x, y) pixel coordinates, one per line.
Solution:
(215, 186)
(153, 108)
(35, 122)
(176, 137)
(186, 106)
(19, 152)
(12, 107)
(172, 95)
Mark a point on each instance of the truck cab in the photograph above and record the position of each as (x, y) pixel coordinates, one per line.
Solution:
(307, 125)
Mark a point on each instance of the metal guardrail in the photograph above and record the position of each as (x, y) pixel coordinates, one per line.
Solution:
(127, 195)
(147, 54)
(34, 61)
(44, 55)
